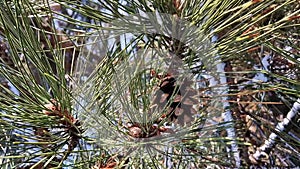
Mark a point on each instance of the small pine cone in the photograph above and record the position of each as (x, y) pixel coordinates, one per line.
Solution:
(135, 132)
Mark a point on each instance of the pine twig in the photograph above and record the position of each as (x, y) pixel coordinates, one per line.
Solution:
(283, 126)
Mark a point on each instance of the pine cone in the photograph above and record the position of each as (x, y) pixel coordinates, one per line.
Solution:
(176, 99)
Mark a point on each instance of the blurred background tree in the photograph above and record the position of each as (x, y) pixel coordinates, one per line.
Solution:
(149, 84)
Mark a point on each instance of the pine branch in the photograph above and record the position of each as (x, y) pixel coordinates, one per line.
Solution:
(227, 114)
